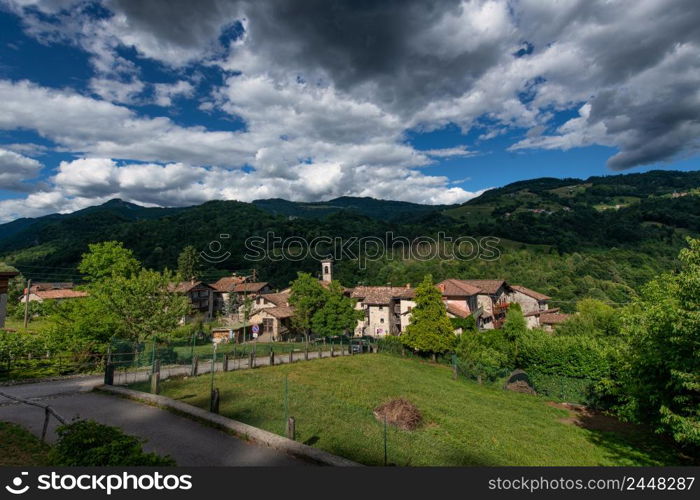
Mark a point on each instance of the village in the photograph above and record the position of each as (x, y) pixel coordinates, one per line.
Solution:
(249, 309)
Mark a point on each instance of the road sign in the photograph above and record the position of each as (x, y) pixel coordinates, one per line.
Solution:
(256, 328)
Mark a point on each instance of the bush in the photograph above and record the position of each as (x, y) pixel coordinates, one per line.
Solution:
(86, 443)
(484, 355)
(391, 344)
(562, 388)
(570, 356)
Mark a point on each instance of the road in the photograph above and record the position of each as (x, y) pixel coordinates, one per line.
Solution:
(187, 441)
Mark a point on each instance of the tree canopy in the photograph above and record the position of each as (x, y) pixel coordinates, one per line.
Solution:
(430, 330)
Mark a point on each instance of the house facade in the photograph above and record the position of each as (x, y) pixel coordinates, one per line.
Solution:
(200, 295)
(386, 309)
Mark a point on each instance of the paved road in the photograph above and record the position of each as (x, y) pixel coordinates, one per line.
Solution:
(187, 441)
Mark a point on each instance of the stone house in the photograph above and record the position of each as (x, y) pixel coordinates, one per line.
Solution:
(235, 288)
(531, 302)
(387, 309)
(200, 295)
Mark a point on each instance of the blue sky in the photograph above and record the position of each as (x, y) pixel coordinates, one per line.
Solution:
(176, 104)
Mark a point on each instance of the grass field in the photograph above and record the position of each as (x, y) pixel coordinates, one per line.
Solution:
(18, 447)
(464, 423)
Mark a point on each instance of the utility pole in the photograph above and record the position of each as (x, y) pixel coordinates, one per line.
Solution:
(26, 303)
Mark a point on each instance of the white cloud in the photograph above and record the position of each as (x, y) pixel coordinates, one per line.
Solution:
(15, 169)
(327, 105)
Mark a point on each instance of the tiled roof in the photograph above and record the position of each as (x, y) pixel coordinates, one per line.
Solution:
(553, 318)
(457, 288)
(381, 294)
(530, 293)
(186, 286)
(227, 283)
(38, 287)
(249, 287)
(59, 294)
(486, 286)
(460, 312)
(280, 312)
(279, 299)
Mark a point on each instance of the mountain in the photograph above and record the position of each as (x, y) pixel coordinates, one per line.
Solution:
(569, 238)
(370, 207)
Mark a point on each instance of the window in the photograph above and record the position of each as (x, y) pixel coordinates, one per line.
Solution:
(381, 308)
(381, 320)
(267, 325)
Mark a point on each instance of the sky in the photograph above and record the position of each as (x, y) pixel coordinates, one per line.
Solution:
(174, 102)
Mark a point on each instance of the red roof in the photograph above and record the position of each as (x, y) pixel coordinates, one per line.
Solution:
(59, 294)
(530, 293)
(249, 287)
(227, 283)
(553, 318)
(490, 287)
(457, 288)
(460, 312)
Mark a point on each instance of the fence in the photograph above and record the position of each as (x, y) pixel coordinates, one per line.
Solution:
(128, 368)
(24, 362)
(48, 412)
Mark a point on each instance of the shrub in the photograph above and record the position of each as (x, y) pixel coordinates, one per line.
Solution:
(571, 356)
(390, 344)
(86, 443)
(563, 388)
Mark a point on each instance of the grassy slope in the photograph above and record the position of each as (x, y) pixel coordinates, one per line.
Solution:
(18, 447)
(466, 424)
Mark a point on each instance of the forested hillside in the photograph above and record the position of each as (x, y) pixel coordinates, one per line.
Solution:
(570, 238)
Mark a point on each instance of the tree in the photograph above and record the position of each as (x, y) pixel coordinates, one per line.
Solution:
(664, 329)
(515, 325)
(108, 259)
(143, 305)
(188, 264)
(594, 319)
(430, 329)
(337, 314)
(307, 297)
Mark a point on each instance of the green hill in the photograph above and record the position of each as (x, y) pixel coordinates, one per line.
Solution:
(570, 238)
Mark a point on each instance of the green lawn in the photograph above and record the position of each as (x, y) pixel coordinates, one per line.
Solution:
(18, 447)
(464, 423)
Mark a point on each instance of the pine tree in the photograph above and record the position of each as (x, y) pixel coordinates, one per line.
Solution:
(430, 329)
(188, 265)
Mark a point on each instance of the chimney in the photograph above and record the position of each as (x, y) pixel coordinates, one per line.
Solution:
(408, 286)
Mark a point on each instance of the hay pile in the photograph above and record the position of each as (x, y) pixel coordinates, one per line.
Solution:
(520, 386)
(400, 413)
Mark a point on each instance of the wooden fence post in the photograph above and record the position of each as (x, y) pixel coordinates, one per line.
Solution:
(272, 357)
(47, 414)
(195, 365)
(225, 364)
(214, 401)
(291, 355)
(109, 374)
(155, 377)
(291, 428)
(251, 360)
